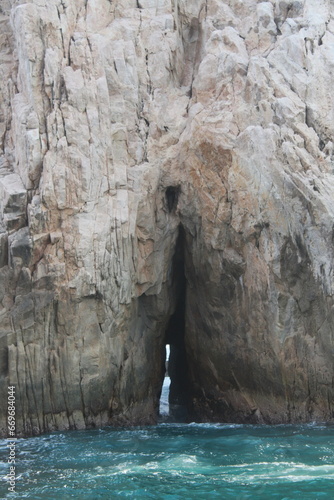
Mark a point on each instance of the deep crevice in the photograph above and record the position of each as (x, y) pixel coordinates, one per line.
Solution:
(172, 197)
(174, 336)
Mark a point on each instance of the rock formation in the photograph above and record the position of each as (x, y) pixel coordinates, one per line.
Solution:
(166, 175)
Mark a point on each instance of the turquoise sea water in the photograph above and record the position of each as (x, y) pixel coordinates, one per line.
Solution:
(176, 461)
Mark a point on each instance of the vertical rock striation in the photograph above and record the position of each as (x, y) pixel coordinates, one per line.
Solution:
(123, 125)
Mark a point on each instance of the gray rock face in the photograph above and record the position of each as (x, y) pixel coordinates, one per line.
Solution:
(166, 175)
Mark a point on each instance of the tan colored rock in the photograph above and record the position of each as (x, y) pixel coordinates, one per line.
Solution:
(166, 174)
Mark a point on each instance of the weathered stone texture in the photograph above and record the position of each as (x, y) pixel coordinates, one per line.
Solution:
(122, 122)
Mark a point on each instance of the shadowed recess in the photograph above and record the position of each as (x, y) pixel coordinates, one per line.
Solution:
(177, 365)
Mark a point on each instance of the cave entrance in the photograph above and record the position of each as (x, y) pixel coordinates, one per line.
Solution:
(174, 337)
(164, 398)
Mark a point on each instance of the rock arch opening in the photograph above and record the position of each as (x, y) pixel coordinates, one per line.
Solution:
(164, 397)
(175, 336)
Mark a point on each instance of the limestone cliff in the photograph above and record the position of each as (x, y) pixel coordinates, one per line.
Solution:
(166, 175)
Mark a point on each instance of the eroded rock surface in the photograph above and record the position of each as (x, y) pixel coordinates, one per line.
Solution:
(123, 125)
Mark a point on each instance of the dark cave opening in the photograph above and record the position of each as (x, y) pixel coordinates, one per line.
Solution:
(174, 337)
(172, 196)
